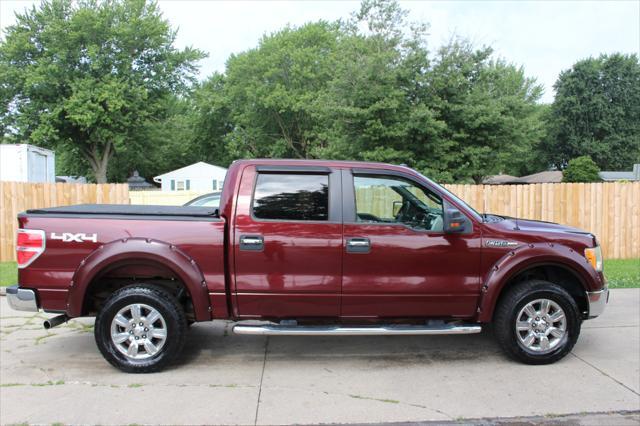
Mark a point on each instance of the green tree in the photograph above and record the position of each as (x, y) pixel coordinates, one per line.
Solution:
(169, 137)
(90, 77)
(211, 125)
(490, 108)
(368, 89)
(581, 169)
(596, 112)
(272, 91)
(375, 107)
(168, 143)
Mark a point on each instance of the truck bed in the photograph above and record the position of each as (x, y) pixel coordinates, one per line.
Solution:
(83, 240)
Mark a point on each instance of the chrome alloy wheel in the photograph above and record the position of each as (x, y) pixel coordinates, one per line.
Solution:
(138, 331)
(541, 326)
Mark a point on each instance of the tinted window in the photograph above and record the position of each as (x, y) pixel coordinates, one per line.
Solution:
(291, 197)
(383, 199)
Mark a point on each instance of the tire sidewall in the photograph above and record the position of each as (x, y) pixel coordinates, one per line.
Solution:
(128, 296)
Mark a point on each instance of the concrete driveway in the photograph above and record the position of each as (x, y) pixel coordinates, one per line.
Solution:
(59, 376)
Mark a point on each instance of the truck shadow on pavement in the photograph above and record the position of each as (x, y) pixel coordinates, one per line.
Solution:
(212, 344)
(206, 343)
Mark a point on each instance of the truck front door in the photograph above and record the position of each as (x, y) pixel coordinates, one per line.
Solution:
(288, 242)
(398, 262)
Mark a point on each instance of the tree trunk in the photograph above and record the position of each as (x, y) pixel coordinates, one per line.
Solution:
(100, 174)
(99, 161)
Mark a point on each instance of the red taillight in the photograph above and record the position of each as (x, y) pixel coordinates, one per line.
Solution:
(29, 245)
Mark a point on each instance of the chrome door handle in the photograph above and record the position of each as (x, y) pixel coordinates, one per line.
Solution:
(358, 245)
(251, 242)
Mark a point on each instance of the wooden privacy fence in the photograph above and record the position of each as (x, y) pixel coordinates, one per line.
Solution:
(609, 210)
(16, 197)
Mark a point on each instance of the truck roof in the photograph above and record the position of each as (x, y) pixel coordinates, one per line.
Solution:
(323, 163)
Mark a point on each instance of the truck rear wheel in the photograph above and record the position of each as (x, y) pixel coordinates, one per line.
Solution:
(537, 322)
(140, 329)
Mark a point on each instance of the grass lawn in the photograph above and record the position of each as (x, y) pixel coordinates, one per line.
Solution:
(620, 273)
(8, 273)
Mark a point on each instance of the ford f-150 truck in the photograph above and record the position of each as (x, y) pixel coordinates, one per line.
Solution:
(309, 248)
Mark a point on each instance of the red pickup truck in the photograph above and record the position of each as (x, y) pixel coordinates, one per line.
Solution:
(309, 248)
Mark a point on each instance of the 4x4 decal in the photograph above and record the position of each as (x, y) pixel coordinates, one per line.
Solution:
(68, 237)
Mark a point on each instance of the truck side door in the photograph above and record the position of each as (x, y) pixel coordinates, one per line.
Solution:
(287, 242)
(398, 262)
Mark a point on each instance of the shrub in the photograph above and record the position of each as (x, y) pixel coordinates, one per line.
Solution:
(581, 169)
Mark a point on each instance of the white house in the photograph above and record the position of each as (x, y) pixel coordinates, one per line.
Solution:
(198, 177)
(27, 163)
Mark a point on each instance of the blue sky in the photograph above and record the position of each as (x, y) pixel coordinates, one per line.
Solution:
(545, 37)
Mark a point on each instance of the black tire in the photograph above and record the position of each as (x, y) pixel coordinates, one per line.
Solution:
(514, 301)
(172, 315)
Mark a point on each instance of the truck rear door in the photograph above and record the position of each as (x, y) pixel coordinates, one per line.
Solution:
(287, 242)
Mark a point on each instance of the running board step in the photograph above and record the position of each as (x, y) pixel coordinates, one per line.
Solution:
(339, 330)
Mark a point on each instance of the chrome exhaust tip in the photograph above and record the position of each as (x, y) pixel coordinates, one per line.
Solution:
(55, 321)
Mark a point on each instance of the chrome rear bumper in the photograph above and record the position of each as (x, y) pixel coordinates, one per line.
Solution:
(22, 299)
(597, 301)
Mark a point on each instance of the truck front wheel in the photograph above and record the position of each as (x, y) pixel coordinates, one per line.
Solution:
(140, 329)
(537, 322)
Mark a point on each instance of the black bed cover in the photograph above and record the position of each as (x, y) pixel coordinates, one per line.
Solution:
(128, 210)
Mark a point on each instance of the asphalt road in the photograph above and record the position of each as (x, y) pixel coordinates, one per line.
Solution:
(59, 376)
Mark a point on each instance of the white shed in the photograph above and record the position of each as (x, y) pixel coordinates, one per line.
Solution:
(27, 163)
(198, 177)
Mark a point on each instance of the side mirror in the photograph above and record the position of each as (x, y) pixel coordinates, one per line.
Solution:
(397, 206)
(455, 222)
